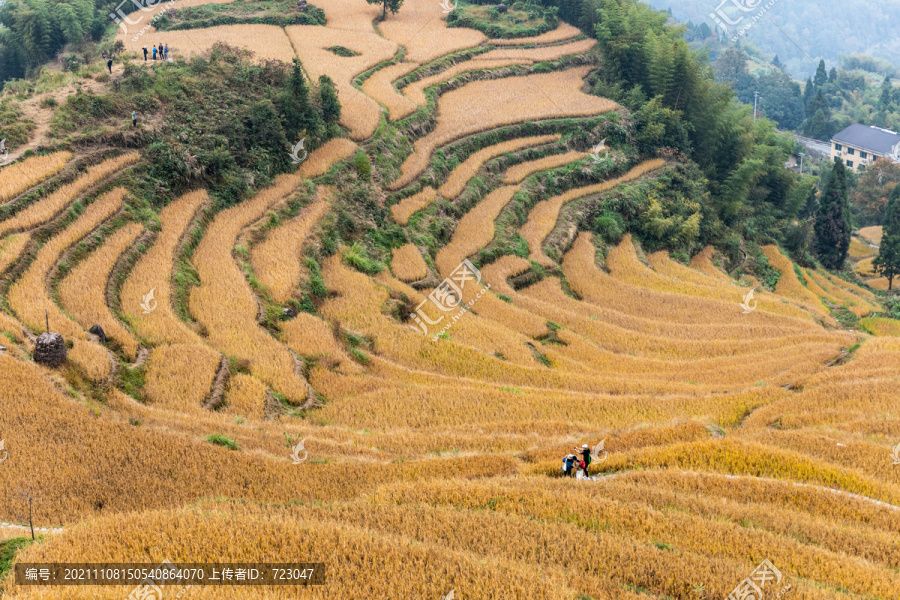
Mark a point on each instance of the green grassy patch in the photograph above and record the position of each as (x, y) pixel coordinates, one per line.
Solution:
(266, 12)
(220, 440)
(521, 19)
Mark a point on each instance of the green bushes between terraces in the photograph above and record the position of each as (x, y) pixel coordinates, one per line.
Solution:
(221, 121)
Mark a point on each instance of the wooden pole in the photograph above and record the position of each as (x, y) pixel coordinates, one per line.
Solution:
(47, 317)
(30, 520)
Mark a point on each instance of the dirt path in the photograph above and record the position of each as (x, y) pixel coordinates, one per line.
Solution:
(27, 529)
(42, 116)
(798, 484)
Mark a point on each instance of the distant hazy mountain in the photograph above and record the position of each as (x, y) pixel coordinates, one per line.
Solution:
(820, 29)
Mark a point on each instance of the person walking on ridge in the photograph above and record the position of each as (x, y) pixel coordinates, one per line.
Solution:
(109, 65)
(134, 118)
(585, 453)
(569, 465)
(166, 52)
(145, 53)
(154, 52)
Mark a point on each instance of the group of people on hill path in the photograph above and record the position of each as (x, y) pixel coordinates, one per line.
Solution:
(161, 51)
(571, 461)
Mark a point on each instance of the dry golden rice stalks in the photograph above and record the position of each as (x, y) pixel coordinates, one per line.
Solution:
(403, 210)
(426, 35)
(93, 469)
(859, 250)
(466, 111)
(502, 269)
(543, 216)
(716, 318)
(461, 175)
(531, 505)
(351, 15)
(881, 326)
(91, 358)
(517, 173)
(45, 209)
(563, 32)
(246, 396)
(358, 303)
(789, 285)
(83, 291)
(28, 297)
(878, 283)
(380, 87)
(312, 337)
(359, 113)
(277, 261)
(407, 263)
(777, 494)
(225, 304)
(543, 54)
(415, 92)
(146, 295)
(866, 267)
(624, 265)
(180, 376)
(737, 457)
(149, 13)
(322, 159)
(703, 262)
(661, 263)
(17, 178)
(475, 230)
(11, 247)
(871, 234)
(491, 326)
(267, 42)
(259, 534)
(854, 289)
(12, 327)
(602, 319)
(839, 295)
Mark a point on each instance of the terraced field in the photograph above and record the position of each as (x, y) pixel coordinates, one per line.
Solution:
(736, 426)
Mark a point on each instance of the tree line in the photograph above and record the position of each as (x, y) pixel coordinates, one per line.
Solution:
(680, 102)
(32, 32)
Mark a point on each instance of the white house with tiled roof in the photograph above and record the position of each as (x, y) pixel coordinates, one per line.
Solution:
(860, 145)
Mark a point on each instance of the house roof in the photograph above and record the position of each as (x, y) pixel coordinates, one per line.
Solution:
(880, 141)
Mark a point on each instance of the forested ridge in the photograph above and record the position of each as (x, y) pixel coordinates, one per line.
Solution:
(802, 33)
